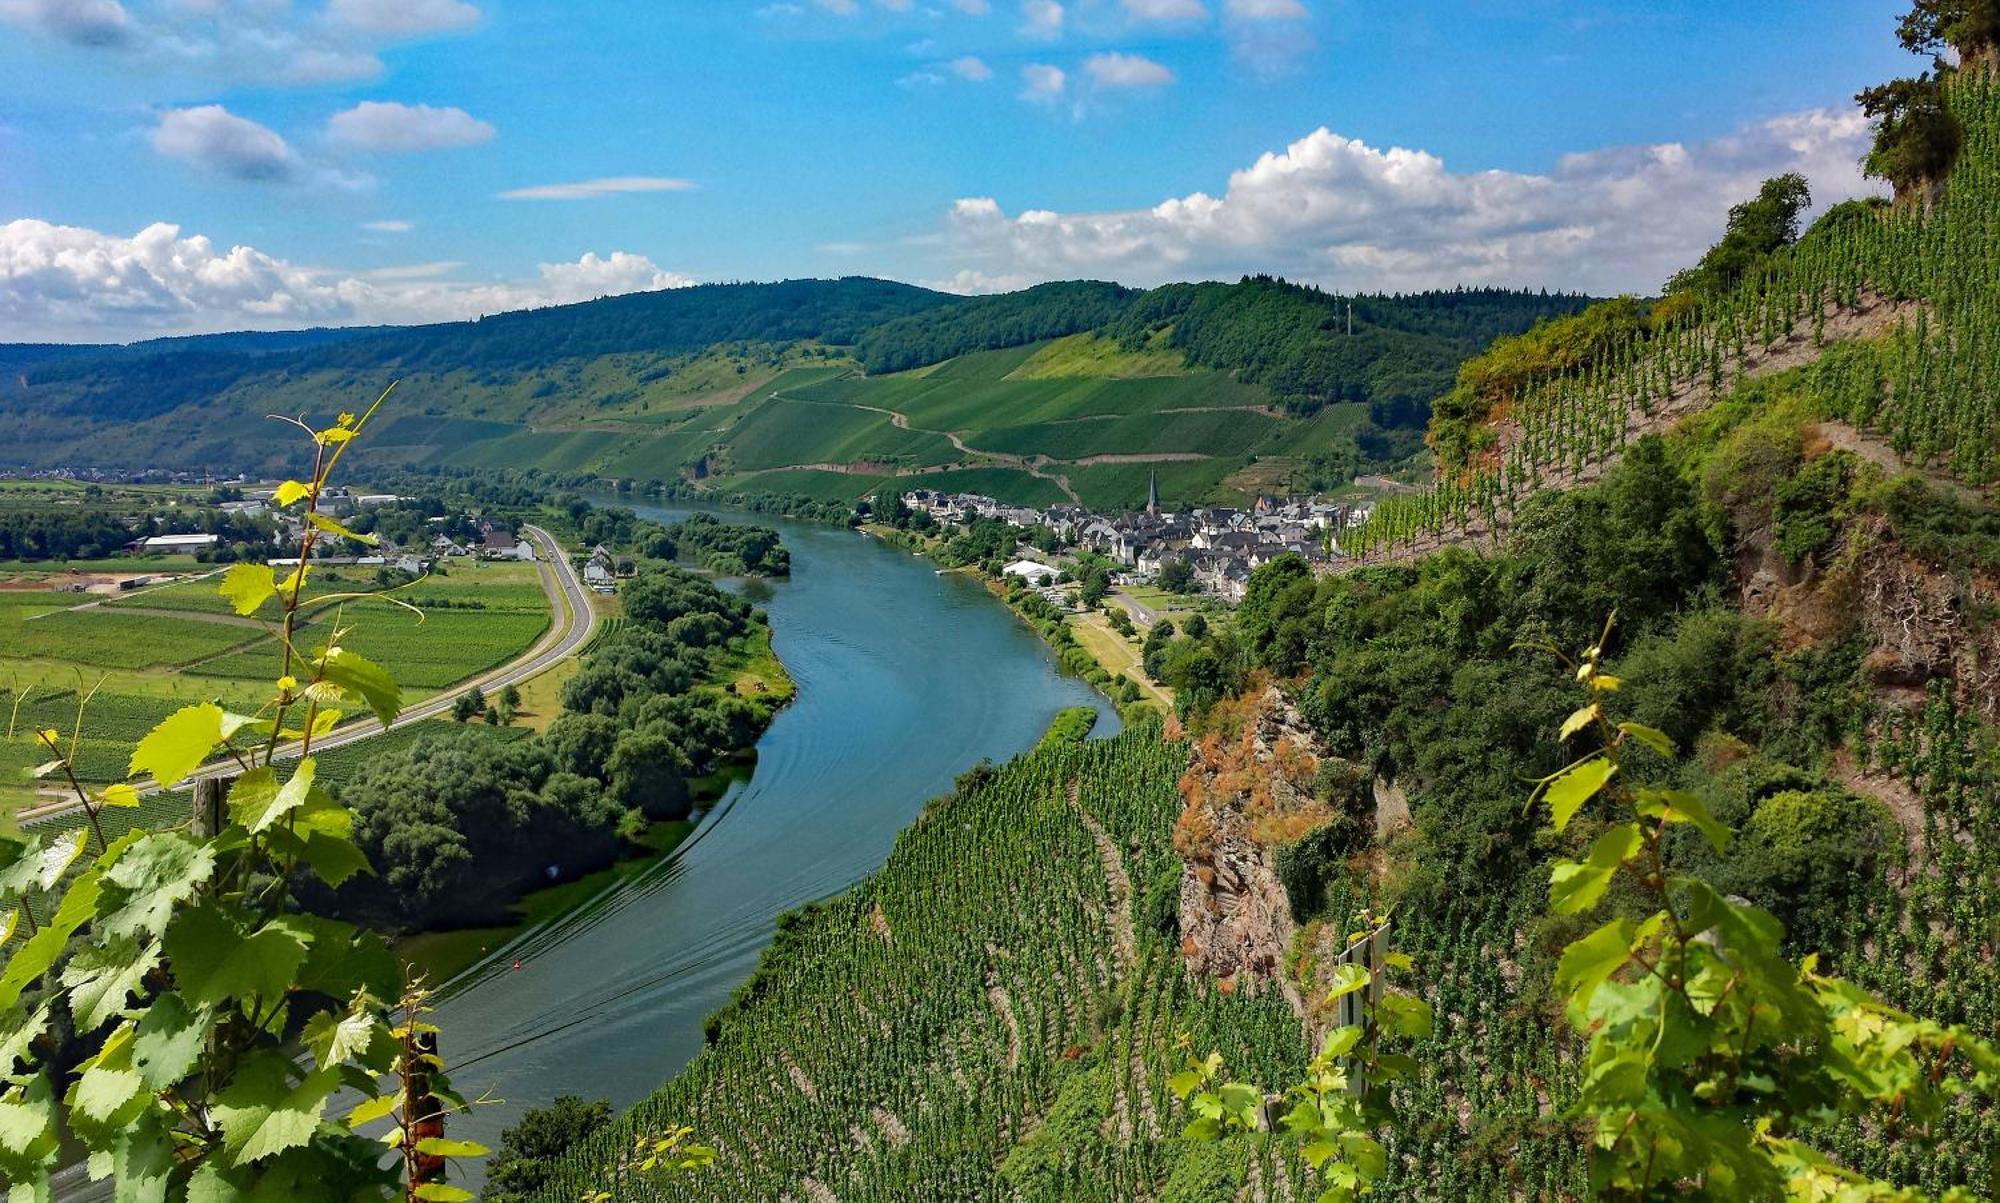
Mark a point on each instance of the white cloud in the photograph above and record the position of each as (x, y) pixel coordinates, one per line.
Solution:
(1265, 10)
(402, 18)
(391, 226)
(415, 271)
(971, 67)
(972, 8)
(1042, 82)
(1041, 19)
(79, 22)
(843, 8)
(213, 137)
(589, 189)
(1167, 11)
(1113, 70)
(1339, 212)
(70, 283)
(389, 126)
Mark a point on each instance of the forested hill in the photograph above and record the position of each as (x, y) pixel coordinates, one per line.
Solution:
(830, 388)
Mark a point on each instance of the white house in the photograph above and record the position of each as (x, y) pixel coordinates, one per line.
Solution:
(1037, 575)
(179, 543)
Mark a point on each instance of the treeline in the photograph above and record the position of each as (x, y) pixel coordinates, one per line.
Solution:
(730, 548)
(457, 826)
(86, 534)
(1012, 319)
(1295, 340)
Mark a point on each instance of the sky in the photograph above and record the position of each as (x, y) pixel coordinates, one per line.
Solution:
(179, 166)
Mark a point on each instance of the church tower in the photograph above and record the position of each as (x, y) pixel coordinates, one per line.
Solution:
(1153, 494)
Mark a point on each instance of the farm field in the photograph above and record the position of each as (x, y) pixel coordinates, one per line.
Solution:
(152, 652)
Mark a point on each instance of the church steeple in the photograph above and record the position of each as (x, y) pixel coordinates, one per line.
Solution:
(1153, 493)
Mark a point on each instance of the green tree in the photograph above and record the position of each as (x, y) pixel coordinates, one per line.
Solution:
(1177, 575)
(1758, 229)
(1969, 27)
(530, 1151)
(1916, 136)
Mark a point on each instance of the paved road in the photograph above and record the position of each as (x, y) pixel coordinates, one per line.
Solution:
(574, 622)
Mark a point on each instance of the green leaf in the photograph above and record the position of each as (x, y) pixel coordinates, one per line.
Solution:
(1184, 1083)
(142, 1161)
(372, 1110)
(169, 1041)
(438, 1146)
(332, 527)
(248, 586)
(1341, 1041)
(1406, 1015)
(179, 744)
(1589, 962)
(151, 877)
(288, 492)
(334, 1040)
(262, 1113)
(103, 976)
(120, 795)
(1654, 739)
(1579, 720)
(1366, 1155)
(1577, 887)
(1576, 786)
(215, 961)
(343, 959)
(1680, 806)
(365, 680)
(28, 1136)
(439, 1192)
(257, 800)
(1346, 979)
(18, 1032)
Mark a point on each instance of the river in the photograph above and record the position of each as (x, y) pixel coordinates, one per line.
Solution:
(906, 678)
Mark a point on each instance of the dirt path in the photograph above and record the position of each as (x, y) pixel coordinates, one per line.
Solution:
(1153, 457)
(1266, 410)
(1878, 450)
(1005, 459)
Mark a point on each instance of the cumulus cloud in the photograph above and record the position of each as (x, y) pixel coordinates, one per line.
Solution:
(1165, 10)
(1042, 82)
(402, 18)
(215, 138)
(1114, 70)
(591, 189)
(389, 226)
(971, 67)
(78, 22)
(389, 126)
(1337, 211)
(1042, 19)
(71, 283)
(972, 8)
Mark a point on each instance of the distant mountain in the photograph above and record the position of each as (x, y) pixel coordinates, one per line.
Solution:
(1077, 389)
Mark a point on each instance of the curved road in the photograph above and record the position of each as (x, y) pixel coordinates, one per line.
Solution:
(573, 622)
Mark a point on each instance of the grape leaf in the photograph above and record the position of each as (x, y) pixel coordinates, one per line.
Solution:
(1576, 887)
(179, 744)
(1576, 786)
(262, 1113)
(169, 1041)
(154, 874)
(247, 586)
(102, 977)
(215, 961)
(364, 679)
(1587, 963)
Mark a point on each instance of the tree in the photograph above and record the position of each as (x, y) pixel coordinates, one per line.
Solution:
(530, 1150)
(1916, 137)
(465, 709)
(1177, 575)
(1758, 228)
(510, 697)
(649, 774)
(1971, 28)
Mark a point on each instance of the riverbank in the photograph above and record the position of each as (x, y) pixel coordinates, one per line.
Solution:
(1085, 642)
(751, 670)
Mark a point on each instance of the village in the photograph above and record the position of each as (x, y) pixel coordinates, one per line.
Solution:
(1221, 546)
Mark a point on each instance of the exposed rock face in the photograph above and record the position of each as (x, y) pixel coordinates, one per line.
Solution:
(1245, 796)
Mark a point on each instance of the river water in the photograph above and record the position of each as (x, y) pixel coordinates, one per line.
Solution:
(906, 678)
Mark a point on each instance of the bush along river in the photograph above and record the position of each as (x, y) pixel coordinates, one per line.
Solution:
(906, 677)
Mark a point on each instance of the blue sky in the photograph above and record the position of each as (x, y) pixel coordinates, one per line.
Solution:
(359, 152)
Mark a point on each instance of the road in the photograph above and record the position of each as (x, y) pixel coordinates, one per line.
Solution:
(573, 623)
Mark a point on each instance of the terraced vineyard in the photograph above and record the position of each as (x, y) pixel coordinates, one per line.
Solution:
(993, 1015)
(1919, 285)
